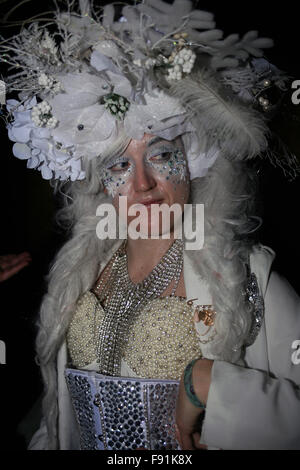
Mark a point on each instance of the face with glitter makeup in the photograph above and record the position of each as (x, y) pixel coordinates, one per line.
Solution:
(150, 171)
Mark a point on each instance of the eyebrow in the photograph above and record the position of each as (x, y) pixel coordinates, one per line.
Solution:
(150, 142)
(154, 141)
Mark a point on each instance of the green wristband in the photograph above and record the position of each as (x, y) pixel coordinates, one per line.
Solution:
(188, 385)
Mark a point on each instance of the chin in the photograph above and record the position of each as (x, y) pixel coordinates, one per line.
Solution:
(159, 231)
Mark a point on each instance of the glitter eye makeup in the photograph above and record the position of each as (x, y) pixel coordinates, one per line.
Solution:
(169, 162)
(115, 175)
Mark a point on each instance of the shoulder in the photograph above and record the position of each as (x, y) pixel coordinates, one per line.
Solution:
(281, 313)
(275, 289)
(282, 320)
(281, 301)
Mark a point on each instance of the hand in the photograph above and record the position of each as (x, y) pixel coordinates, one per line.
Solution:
(12, 264)
(187, 414)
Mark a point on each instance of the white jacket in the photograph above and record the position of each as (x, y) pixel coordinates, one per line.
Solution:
(254, 406)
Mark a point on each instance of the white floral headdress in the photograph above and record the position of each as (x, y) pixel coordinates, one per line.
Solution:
(158, 68)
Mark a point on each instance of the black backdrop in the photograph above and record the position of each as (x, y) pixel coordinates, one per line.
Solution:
(28, 206)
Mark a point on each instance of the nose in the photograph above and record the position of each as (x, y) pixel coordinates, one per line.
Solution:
(143, 178)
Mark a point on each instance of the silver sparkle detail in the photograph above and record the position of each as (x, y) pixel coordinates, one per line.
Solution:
(123, 300)
(256, 300)
(126, 413)
(81, 396)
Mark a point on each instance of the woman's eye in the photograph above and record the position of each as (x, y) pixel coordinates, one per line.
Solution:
(119, 166)
(161, 157)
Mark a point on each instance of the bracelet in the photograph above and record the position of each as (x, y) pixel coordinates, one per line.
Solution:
(188, 385)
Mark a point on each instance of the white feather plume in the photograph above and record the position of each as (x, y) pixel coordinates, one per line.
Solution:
(239, 131)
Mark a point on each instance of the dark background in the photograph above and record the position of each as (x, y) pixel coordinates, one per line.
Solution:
(28, 206)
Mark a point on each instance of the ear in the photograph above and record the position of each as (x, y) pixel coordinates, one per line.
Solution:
(105, 191)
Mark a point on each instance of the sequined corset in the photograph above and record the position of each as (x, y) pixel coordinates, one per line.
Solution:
(161, 342)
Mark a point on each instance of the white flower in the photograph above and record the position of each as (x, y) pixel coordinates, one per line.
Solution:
(37, 146)
(181, 62)
(85, 128)
(49, 84)
(83, 118)
(42, 117)
(116, 105)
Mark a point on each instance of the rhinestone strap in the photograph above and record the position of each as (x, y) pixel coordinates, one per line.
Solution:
(124, 301)
(253, 297)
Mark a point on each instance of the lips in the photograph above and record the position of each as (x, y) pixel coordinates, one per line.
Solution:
(152, 201)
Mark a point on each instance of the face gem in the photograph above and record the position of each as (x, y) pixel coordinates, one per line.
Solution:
(175, 166)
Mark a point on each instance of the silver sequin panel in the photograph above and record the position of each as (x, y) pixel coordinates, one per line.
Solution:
(119, 413)
(81, 395)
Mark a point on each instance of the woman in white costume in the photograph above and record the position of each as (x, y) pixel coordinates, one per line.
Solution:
(155, 106)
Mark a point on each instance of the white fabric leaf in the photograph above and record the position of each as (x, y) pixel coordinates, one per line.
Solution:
(107, 48)
(100, 62)
(46, 172)
(20, 134)
(33, 162)
(21, 151)
(121, 84)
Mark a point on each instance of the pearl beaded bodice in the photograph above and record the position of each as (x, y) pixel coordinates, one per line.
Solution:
(161, 341)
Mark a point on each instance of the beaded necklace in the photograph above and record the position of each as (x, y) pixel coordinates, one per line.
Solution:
(123, 300)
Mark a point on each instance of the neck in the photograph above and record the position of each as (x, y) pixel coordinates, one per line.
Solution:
(144, 255)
